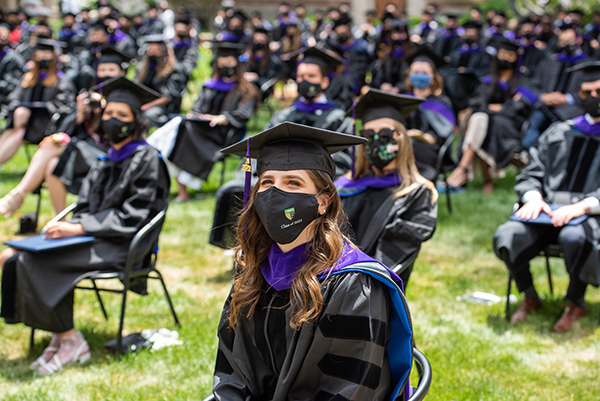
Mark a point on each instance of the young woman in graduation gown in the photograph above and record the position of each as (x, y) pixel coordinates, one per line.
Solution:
(309, 315)
(433, 121)
(42, 92)
(391, 208)
(121, 194)
(63, 161)
(263, 68)
(499, 112)
(224, 105)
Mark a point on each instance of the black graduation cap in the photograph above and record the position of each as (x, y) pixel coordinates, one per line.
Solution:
(472, 25)
(122, 90)
(48, 44)
(344, 19)
(426, 53)
(320, 56)
(227, 49)
(589, 69)
(99, 26)
(290, 146)
(451, 16)
(239, 14)
(109, 54)
(506, 44)
(377, 104)
(261, 29)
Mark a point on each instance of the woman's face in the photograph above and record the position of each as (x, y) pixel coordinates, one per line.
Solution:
(154, 49)
(507, 55)
(288, 181)
(229, 61)
(381, 123)
(120, 111)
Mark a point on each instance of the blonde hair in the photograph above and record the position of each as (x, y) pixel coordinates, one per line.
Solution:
(405, 166)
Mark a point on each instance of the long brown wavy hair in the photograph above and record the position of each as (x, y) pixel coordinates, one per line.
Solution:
(405, 166)
(31, 77)
(164, 67)
(254, 244)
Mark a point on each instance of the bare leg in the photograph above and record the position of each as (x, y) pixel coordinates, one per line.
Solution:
(12, 138)
(182, 193)
(5, 254)
(37, 168)
(56, 188)
(72, 348)
(488, 184)
(460, 175)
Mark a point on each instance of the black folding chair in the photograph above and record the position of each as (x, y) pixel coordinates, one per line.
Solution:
(144, 249)
(444, 164)
(419, 392)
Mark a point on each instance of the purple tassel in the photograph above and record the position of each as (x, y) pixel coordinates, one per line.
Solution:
(353, 151)
(247, 167)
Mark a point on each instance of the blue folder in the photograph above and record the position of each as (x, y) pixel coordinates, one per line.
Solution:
(39, 243)
(544, 218)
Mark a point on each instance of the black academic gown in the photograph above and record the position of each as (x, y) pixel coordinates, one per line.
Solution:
(462, 86)
(172, 87)
(342, 355)
(187, 56)
(391, 230)
(11, 71)
(268, 74)
(332, 119)
(59, 98)
(116, 200)
(198, 145)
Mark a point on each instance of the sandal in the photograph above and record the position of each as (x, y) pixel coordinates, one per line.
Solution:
(48, 352)
(11, 202)
(82, 354)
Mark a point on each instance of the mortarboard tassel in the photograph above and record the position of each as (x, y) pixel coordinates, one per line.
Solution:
(353, 150)
(247, 167)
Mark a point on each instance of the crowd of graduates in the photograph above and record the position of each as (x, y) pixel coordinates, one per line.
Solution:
(513, 87)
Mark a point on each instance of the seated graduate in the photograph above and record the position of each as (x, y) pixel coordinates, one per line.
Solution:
(263, 68)
(11, 65)
(433, 121)
(391, 208)
(185, 45)
(121, 194)
(309, 315)
(313, 107)
(42, 92)
(158, 70)
(63, 161)
(389, 70)
(218, 117)
(448, 38)
(559, 175)
(493, 132)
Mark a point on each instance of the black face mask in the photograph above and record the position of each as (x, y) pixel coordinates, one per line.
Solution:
(153, 59)
(504, 65)
(227, 72)
(378, 150)
(468, 41)
(398, 42)
(567, 49)
(528, 36)
(182, 37)
(96, 44)
(102, 79)
(237, 31)
(44, 65)
(591, 105)
(116, 130)
(285, 214)
(343, 38)
(308, 90)
(259, 46)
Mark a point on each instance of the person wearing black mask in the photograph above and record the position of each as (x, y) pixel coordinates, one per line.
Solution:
(160, 71)
(185, 46)
(389, 71)
(559, 198)
(30, 106)
(81, 68)
(236, 29)
(263, 67)
(313, 106)
(11, 65)
(218, 117)
(531, 56)
(122, 192)
(494, 129)
(447, 39)
(555, 86)
(467, 64)
(70, 34)
(64, 158)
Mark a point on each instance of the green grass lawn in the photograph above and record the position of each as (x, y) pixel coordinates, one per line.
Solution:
(475, 353)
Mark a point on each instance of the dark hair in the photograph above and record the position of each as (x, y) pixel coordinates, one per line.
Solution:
(141, 125)
(513, 81)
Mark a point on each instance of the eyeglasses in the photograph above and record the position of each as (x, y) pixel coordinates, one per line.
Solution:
(589, 93)
(382, 133)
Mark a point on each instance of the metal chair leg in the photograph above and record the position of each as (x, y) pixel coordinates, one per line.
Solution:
(32, 339)
(162, 281)
(99, 299)
(549, 275)
(448, 203)
(507, 310)
(121, 323)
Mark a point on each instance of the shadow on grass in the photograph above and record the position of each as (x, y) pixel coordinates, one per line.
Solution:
(11, 176)
(542, 321)
(18, 370)
(224, 276)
